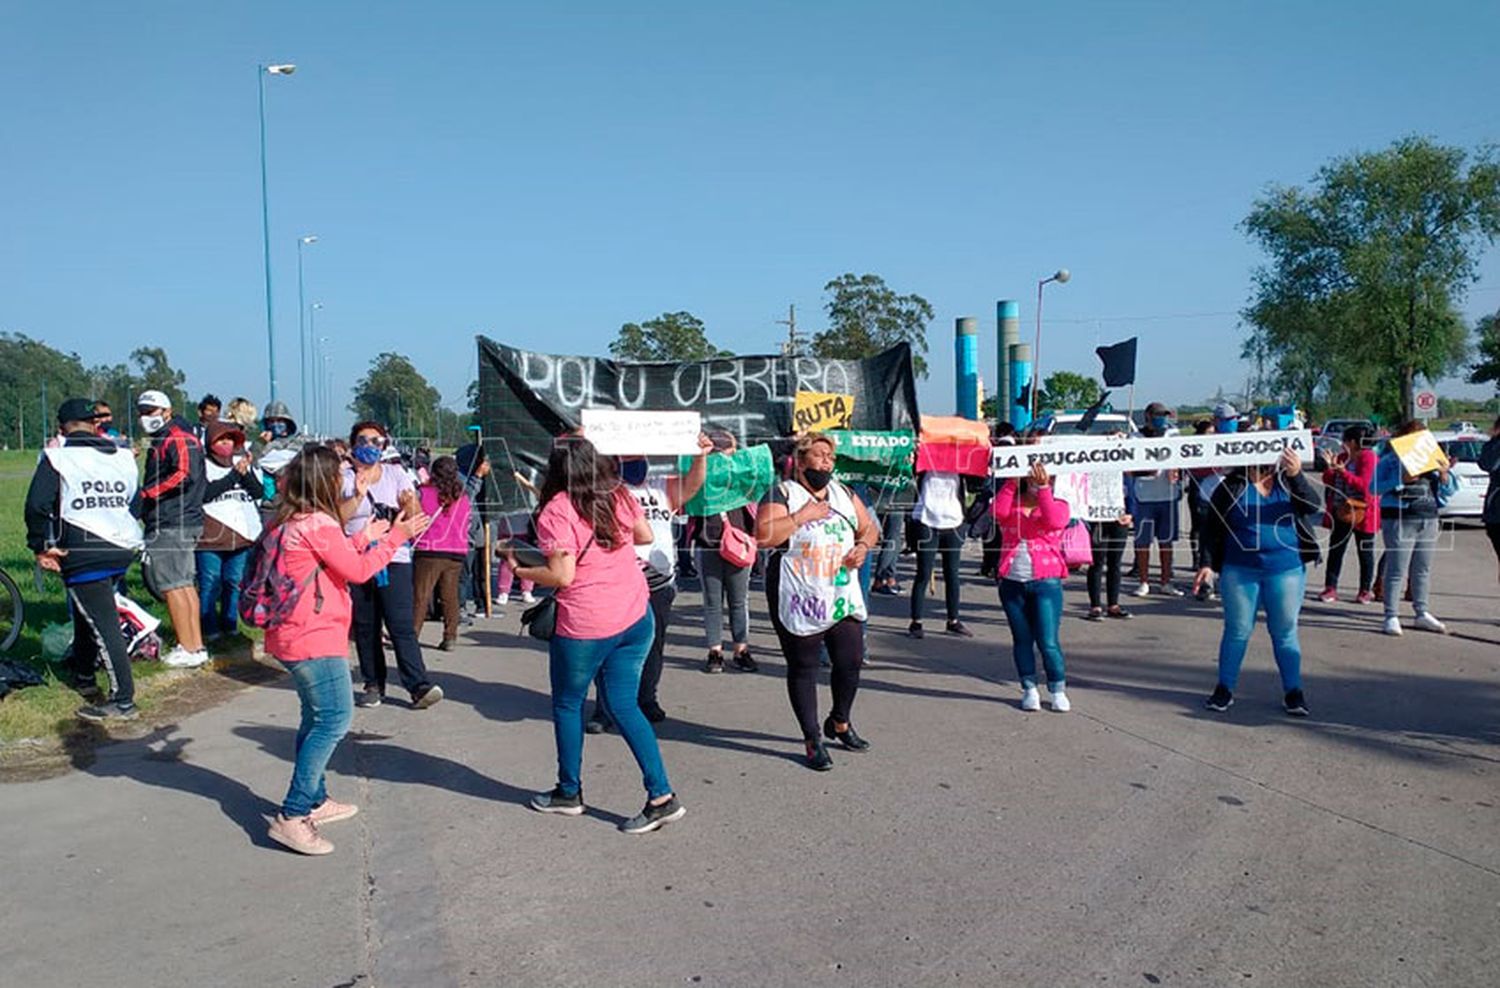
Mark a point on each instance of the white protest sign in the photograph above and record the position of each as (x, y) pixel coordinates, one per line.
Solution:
(1104, 453)
(1091, 496)
(626, 433)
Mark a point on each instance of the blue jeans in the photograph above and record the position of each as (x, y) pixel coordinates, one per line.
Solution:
(619, 658)
(219, 576)
(1244, 590)
(327, 694)
(1033, 610)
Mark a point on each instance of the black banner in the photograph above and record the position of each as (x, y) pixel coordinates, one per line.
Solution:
(527, 398)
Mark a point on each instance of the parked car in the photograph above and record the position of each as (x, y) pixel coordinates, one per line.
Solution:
(1331, 439)
(1463, 452)
(1065, 423)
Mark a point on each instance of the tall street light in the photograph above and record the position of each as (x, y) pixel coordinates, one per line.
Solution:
(261, 71)
(1061, 277)
(312, 334)
(303, 343)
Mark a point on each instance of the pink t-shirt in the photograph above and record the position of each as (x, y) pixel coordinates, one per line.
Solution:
(608, 593)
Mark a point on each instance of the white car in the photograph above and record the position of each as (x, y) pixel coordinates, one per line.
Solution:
(1066, 424)
(1463, 452)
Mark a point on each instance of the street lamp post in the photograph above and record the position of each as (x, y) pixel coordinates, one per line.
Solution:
(325, 385)
(312, 334)
(303, 343)
(1061, 277)
(261, 71)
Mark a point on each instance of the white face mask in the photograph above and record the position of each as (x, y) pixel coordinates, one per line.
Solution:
(152, 424)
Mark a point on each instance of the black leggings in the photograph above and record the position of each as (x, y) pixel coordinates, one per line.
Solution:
(1107, 539)
(1364, 547)
(97, 639)
(846, 649)
(932, 543)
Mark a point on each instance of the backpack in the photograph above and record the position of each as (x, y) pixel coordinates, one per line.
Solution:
(268, 596)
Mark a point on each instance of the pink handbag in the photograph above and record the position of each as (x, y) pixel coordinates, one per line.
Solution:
(1077, 550)
(737, 548)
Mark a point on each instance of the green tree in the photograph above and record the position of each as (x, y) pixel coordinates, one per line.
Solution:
(671, 337)
(155, 372)
(1486, 369)
(1065, 389)
(1366, 271)
(395, 393)
(30, 371)
(865, 317)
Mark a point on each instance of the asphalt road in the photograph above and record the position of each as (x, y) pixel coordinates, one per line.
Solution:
(1138, 840)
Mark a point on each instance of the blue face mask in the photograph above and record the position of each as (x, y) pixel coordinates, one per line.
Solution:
(278, 428)
(1227, 425)
(1159, 422)
(367, 454)
(634, 472)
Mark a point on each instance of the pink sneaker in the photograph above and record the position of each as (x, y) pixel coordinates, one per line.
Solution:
(1364, 597)
(332, 812)
(1329, 596)
(300, 834)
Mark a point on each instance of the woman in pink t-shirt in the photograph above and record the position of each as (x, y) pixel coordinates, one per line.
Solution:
(588, 526)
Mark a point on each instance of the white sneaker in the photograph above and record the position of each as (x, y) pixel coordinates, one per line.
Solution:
(1171, 590)
(1427, 622)
(1031, 699)
(528, 597)
(1144, 590)
(502, 599)
(1393, 627)
(181, 658)
(1060, 702)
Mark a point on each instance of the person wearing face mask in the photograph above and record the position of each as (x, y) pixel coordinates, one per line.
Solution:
(820, 534)
(231, 524)
(172, 509)
(104, 424)
(1157, 494)
(1031, 570)
(1202, 483)
(376, 490)
(660, 498)
(278, 423)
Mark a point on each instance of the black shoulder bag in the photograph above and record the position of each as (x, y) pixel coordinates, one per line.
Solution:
(540, 619)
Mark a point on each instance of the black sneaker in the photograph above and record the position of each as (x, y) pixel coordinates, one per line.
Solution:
(846, 737)
(745, 662)
(714, 662)
(1222, 699)
(817, 757)
(108, 711)
(556, 802)
(368, 698)
(655, 817)
(914, 630)
(1295, 703)
(654, 713)
(958, 628)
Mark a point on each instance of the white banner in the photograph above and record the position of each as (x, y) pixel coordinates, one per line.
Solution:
(1091, 496)
(637, 433)
(1094, 454)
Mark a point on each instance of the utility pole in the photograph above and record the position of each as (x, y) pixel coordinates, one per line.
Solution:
(793, 345)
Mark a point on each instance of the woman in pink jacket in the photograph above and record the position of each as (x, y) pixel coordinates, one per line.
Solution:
(312, 642)
(438, 557)
(1032, 567)
(1349, 478)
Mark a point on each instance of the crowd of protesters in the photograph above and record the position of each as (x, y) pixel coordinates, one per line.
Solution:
(370, 540)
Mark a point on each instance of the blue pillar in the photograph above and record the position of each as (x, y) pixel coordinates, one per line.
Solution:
(1008, 333)
(1020, 376)
(966, 366)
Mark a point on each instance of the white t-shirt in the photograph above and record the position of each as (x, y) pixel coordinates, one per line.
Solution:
(939, 502)
(661, 553)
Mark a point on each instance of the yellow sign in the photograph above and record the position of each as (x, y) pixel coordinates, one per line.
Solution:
(1419, 453)
(817, 410)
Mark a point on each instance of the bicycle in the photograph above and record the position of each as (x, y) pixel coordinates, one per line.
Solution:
(12, 612)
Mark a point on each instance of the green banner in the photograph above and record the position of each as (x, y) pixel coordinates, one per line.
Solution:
(732, 480)
(880, 460)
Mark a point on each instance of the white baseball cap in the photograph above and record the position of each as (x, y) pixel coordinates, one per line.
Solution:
(152, 399)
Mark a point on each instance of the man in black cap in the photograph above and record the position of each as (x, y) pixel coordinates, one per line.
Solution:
(1157, 494)
(80, 524)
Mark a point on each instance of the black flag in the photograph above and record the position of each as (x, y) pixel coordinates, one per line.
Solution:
(1087, 422)
(1119, 363)
(1023, 400)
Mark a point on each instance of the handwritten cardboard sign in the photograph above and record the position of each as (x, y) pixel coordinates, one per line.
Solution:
(625, 433)
(1419, 453)
(819, 410)
(1106, 453)
(1091, 496)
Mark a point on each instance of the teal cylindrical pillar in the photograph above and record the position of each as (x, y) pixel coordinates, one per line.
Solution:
(1008, 333)
(1020, 377)
(966, 366)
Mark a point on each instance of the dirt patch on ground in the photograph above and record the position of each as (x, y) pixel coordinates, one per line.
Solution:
(174, 696)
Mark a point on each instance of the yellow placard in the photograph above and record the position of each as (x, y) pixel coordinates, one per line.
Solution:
(1419, 453)
(819, 410)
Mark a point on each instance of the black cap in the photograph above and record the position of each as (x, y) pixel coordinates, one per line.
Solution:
(1157, 408)
(76, 410)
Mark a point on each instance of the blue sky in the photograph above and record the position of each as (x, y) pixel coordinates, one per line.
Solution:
(543, 173)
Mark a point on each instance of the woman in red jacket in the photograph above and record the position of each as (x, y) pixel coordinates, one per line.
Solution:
(1032, 567)
(1348, 482)
(312, 642)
